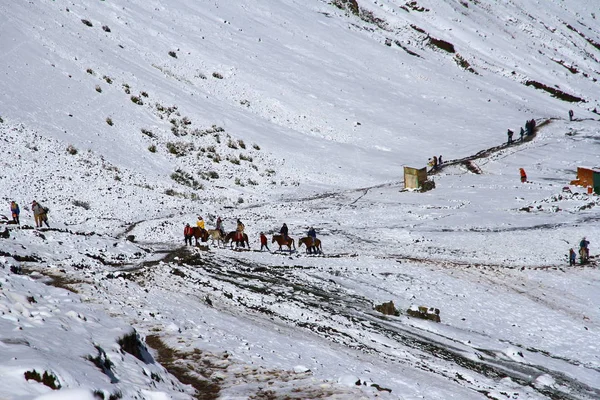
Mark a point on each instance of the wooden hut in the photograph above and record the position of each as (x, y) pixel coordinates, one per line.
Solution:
(588, 177)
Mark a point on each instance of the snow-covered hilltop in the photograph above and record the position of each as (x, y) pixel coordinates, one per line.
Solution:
(130, 119)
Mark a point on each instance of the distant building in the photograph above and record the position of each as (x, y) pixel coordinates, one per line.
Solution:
(588, 177)
(415, 178)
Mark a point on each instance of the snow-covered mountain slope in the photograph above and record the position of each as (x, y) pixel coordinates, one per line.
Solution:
(130, 119)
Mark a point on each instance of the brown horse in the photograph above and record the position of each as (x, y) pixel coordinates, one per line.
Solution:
(281, 241)
(233, 236)
(215, 234)
(198, 232)
(312, 245)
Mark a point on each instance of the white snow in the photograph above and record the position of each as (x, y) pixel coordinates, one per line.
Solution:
(305, 113)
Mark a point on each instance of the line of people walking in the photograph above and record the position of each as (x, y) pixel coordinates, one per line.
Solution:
(40, 214)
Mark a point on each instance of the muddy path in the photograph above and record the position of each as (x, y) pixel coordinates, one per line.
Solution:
(244, 287)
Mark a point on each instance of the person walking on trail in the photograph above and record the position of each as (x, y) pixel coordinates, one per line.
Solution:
(523, 175)
(584, 250)
(521, 134)
(263, 242)
(510, 136)
(435, 162)
(284, 231)
(200, 223)
(572, 257)
(15, 211)
(40, 214)
(187, 234)
(571, 115)
(440, 160)
(239, 229)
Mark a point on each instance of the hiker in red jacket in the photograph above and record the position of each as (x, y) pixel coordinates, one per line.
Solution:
(263, 242)
(187, 234)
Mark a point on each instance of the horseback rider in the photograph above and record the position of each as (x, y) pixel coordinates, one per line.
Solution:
(200, 223)
(239, 230)
(220, 226)
(284, 231)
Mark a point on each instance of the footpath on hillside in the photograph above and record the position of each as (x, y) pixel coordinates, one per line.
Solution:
(467, 161)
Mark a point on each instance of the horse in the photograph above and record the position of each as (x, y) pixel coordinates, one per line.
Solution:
(312, 245)
(215, 234)
(234, 238)
(198, 232)
(281, 241)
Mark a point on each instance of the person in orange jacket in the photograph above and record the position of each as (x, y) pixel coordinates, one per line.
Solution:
(187, 234)
(263, 242)
(523, 175)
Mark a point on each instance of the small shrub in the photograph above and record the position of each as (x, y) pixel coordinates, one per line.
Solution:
(1, 120)
(179, 148)
(231, 144)
(251, 182)
(173, 54)
(242, 144)
(186, 179)
(211, 149)
(240, 200)
(245, 158)
(217, 75)
(90, 71)
(108, 79)
(86, 22)
(126, 88)
(217, 138)
(213, 174)
(238, 182)
(105, 28)
(256, 147)
(147, 133)
(47, 379)
(216, 158)
(109, 121)
(152, 148)
(98, 89)
(234, 160)
(245, 103)
(144, 94)
(137, 100)
(117, 178)
(83, 204)
(71, 150)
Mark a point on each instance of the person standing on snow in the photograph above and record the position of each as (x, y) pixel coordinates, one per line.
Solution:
(510, 135)
(187, 234)
(572, 257)
(15, 211)
(571, 115)
(523, 175)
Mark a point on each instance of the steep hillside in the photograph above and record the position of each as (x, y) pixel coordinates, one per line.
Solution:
(129, 119)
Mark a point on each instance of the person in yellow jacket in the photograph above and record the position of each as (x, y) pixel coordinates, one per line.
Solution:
(200, 223)
(239, 230)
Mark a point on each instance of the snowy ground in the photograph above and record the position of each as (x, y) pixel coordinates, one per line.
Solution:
(300, 129)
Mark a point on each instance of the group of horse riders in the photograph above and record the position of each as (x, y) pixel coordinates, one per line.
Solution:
(238, 236)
